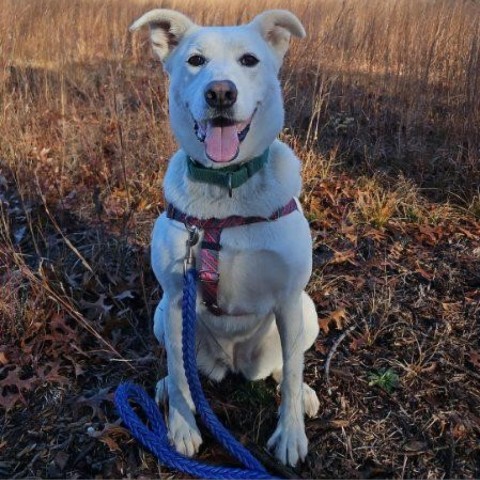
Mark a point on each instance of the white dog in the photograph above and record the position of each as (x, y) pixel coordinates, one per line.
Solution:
(254, 258)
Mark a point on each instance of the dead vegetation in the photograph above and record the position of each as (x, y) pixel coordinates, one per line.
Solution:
(382, 108)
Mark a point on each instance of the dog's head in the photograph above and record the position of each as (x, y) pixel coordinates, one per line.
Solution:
(225, 98)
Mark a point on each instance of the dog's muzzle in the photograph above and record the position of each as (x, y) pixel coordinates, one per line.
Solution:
(222, 136)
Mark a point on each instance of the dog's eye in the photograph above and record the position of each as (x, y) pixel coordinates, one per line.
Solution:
(248, 60)
(196, 60)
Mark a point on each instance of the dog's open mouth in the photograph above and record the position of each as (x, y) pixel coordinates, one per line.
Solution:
(222, 137)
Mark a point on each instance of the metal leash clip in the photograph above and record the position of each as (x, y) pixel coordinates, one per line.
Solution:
(192, 240)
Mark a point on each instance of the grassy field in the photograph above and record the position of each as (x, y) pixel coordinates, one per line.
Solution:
(383, 109)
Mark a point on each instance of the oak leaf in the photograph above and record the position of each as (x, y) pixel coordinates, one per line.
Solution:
(338, 318)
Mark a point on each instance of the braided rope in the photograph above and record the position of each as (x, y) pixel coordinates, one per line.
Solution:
(155, 438)
(225, 438)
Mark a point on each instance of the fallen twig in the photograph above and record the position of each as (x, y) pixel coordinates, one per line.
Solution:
(332, 352)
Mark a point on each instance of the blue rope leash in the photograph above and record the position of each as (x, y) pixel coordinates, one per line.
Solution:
(155, 438)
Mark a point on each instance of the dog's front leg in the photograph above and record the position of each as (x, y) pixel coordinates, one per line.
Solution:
(289, 438)
(183, 429)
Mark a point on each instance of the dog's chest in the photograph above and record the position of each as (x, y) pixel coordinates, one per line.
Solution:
(258, 264)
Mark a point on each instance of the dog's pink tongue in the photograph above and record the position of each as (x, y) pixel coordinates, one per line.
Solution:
(221, 143)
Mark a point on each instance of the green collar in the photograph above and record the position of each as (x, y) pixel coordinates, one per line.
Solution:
(229, 177)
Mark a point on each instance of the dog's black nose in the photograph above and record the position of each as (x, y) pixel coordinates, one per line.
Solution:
(221, 94)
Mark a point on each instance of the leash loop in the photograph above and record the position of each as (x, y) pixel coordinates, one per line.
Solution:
(155, 437)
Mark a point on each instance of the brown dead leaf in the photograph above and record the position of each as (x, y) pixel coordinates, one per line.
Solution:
(349, 231)
(415, 446)
(94, 401)
(125, 295)
(359, 342)
(110, 443)
(375, 234)
(60, 334)
(339, 423)
(452, 307)
(342, 257)
(97, 308)
(315, 206)
(323, 324)
(107, 433)
(459, 431)
(396, 250)
(61, 460)
(356, 282)
(472, 296)
(3, 358)
(338, 318)
(320, 347)
(468, 234)
(50, 374)
(431, 235)
(474, 358)
(424, 274)
(13, 379)
(8, 401)
(78, 368)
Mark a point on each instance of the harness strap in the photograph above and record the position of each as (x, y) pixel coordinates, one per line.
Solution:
(210, 246)
(208, 273)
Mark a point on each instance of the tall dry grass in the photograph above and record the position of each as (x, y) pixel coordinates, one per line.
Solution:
(389, 85)
(378, 86)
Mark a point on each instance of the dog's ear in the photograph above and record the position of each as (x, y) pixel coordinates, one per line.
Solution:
(167, 28)
(276, 27)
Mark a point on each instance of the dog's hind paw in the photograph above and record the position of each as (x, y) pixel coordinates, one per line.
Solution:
(183, 432)
(310, 401)
(290, 443)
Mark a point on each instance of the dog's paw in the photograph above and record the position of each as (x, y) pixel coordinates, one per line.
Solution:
(161, 391)
(310, 401)
(290, 443)
(183, 431)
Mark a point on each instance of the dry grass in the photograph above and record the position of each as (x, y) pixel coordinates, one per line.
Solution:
(382, 108)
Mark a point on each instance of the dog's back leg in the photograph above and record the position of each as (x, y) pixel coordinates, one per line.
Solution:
(310, 320)
(266, 357)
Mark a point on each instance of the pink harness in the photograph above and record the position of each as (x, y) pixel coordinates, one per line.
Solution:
(210, 247)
